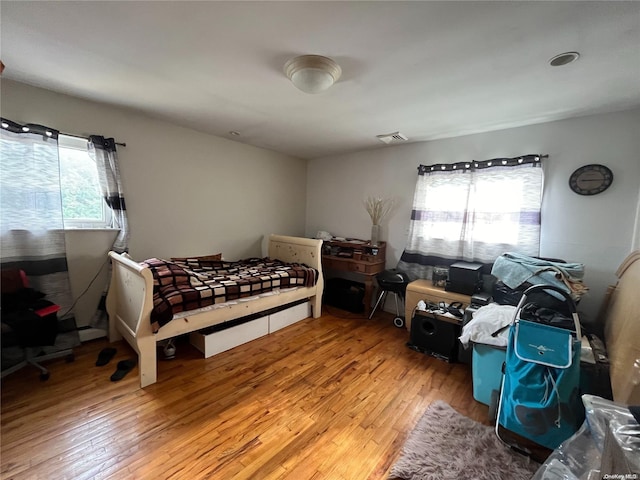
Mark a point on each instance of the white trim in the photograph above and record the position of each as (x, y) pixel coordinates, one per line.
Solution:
(94, 229)
(87, 334)
(66, 142)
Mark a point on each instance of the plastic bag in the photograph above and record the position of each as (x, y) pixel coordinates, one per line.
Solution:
(608, 426)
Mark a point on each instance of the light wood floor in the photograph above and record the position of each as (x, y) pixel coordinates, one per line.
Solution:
(332, 398)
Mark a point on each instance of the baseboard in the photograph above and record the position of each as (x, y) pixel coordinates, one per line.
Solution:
(87, 334)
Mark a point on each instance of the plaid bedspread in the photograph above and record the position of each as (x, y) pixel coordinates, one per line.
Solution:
(187, 285)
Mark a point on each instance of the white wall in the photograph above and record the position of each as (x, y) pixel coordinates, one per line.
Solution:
(187, 193)
(167, 170)
(597, 231)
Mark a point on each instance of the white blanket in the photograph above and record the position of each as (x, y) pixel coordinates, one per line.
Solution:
(485, 321)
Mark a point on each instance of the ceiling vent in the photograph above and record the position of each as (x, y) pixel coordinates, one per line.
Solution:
(395, 137)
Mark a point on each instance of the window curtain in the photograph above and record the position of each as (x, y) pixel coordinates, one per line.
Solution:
(103, 152)
(474, 212)
(31, 221)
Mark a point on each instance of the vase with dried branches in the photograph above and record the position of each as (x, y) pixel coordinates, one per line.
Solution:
(377, 208)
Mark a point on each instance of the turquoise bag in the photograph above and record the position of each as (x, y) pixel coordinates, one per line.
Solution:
(543, 344)
(540, 395)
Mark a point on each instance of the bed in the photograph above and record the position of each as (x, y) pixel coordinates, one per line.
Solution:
(622, 331)
(130, 301)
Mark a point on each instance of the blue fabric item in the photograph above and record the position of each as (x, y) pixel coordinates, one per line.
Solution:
(514, 269)
(540, 402)
(535, 342)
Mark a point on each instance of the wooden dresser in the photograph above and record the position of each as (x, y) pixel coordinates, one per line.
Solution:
(358, 257)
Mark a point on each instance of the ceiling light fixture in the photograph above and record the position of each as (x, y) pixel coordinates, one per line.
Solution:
(564, 59)
(312, 73)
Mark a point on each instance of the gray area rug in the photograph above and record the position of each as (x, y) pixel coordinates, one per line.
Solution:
(447, 445)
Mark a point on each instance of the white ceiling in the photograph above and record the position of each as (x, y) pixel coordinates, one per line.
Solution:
(427, 69)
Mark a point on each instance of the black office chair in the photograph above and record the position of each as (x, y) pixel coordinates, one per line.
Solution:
(29, 324)
(396, 282)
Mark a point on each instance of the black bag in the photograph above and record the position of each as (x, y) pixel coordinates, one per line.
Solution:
(504, 295)
(535, 313)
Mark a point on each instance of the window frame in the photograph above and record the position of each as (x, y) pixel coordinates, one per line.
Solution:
(68, 142)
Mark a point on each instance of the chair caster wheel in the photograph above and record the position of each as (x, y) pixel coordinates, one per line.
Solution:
(398, 322)
(44, 377)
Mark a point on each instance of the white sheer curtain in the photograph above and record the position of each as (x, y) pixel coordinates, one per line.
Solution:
(474, 212)
(31, 222)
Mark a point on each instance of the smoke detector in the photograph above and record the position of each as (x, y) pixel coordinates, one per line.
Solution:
(395, 137)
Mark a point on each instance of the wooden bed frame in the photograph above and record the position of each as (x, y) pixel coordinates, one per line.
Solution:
(130, 301)
(622, 331)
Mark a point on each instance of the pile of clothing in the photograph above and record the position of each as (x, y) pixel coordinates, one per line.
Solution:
(515, 270)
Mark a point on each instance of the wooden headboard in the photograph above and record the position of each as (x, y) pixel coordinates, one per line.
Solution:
(622, 332)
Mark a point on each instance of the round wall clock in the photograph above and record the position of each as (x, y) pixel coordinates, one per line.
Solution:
(591, 179)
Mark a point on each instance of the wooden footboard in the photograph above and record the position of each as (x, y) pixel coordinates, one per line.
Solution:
(622, 332)
(130, 301)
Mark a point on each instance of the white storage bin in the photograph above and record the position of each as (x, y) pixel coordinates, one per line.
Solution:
(222, 340)
(217, 341)
(289, 316)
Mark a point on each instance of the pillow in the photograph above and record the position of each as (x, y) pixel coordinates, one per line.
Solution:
(203, 261)
(206, 258)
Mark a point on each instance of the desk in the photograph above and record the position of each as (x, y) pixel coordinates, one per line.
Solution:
(358, 257)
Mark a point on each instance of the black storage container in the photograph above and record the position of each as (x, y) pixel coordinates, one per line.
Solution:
(344, 294)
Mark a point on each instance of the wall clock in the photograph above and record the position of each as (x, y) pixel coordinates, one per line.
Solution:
(591, 179)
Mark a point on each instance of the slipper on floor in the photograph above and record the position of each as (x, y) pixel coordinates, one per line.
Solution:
(124, 367)
(105, 356)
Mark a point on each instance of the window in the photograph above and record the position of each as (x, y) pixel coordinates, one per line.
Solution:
(83, 205)
(474, 211)
(456, 203)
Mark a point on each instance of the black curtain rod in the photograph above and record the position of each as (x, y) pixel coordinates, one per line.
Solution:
(532, 158)
(86, 138)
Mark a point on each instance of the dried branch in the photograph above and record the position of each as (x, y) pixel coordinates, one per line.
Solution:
(378, 208)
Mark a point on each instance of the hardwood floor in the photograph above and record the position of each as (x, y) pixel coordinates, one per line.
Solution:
(332, 398)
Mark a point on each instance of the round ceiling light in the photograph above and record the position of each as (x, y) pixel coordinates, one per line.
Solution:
(312, 73)
(564, 59)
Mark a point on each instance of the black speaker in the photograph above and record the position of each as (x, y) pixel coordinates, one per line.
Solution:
(465, 278)
(435, 337)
